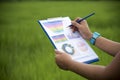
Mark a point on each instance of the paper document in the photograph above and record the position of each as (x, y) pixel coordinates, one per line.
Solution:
(63, 39)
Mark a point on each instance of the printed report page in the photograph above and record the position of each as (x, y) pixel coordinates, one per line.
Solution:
(65, 40)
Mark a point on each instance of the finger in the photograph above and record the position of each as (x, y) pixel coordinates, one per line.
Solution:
(76, 19)
(74, 29)
(75, 24)
(83, 22)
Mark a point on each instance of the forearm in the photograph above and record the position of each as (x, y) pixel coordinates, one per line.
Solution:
(92, 72)
(108, 46)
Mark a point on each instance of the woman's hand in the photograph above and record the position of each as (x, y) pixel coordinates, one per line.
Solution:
(63, 60)
(83, 28)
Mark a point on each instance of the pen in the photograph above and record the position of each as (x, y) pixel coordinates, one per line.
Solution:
(78, 21)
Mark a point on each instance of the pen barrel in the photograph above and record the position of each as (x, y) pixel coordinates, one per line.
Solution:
(78, 21)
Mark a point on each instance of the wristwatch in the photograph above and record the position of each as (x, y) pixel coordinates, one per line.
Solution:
(94, 37)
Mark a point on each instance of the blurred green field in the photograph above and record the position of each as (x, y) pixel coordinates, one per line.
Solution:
(25, 51)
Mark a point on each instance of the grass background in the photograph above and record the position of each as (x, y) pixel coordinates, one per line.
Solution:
(25, 51)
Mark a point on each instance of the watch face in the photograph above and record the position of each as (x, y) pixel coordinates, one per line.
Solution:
(96, 35)
(68, 48)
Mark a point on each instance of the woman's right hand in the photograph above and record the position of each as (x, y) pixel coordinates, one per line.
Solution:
(83, 28)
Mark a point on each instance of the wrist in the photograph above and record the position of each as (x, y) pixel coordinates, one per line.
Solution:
(89, 36)
(70, 65)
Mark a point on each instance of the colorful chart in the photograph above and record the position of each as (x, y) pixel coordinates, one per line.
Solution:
(59, 38)
(82, 46)
(54, 26)
(68, 48)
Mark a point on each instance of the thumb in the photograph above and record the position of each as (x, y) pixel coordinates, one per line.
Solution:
(57, 52)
